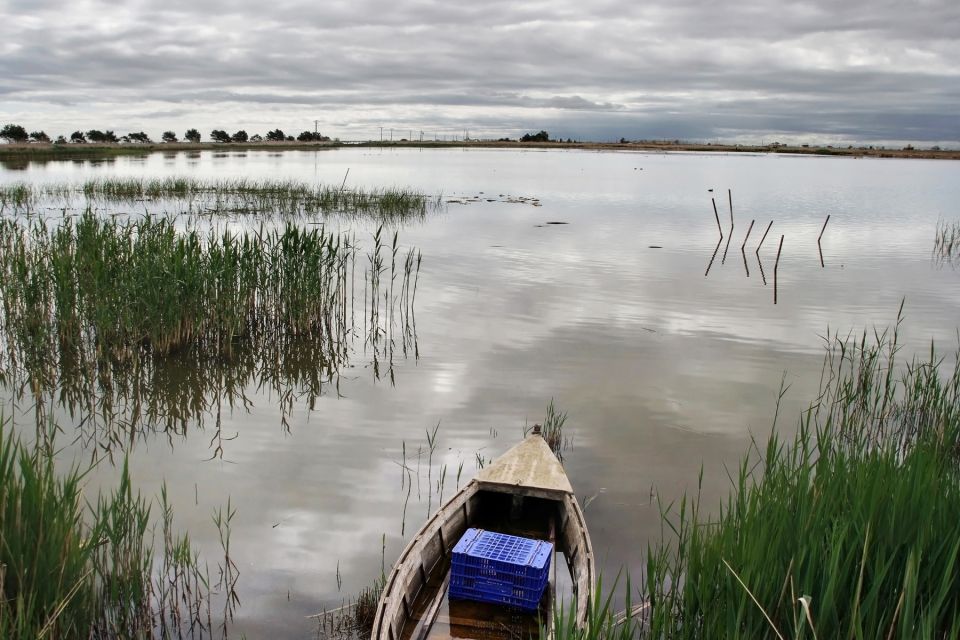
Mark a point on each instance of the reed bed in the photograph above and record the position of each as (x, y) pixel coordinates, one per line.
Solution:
(130, 285)
(74, 571)
(16, 195)
(228, 196)
(850, 531)
(94, 309)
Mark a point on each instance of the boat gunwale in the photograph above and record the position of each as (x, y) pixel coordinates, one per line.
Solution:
(424, 536)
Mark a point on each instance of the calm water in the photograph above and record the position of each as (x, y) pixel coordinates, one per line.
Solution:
(661, 369)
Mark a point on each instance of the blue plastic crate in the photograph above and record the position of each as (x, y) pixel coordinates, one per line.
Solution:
(495, 594)
(500, 568)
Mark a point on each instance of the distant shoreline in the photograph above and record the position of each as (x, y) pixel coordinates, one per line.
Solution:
(66, 151)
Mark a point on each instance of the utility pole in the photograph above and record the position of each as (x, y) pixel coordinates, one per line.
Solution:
(391, 135)
(381, 134)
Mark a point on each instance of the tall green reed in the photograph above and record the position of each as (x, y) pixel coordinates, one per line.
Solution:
(73, 568)
(850, 531)
(552, 430)
(136, 285)
(142, 321)
(602, 623)
(946, 241)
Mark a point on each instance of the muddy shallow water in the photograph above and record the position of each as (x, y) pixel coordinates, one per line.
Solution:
(661, 368)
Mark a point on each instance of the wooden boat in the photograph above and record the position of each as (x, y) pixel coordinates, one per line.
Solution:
(523, 492)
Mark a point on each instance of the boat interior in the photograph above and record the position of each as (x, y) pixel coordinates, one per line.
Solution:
(503, 513)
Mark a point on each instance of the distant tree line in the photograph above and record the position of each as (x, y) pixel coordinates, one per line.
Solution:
(15, 133)
(541, 136)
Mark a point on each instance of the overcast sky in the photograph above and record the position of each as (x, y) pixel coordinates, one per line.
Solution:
(839, 71)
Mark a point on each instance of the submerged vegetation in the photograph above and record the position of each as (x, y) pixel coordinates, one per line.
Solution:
(239, 195)
(850, 531)
(73, 571)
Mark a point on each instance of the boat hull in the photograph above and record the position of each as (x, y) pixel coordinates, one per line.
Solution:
(414, 589)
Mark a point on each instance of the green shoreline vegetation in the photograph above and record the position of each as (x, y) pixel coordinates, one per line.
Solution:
(113, 288)
(97, 311)
(120, 286)
(75, 567)
(850, 530)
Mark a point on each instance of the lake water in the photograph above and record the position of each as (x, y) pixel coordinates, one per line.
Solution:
(663, 367)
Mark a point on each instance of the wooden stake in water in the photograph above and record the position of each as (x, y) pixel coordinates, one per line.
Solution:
(730, 237)
(749, 229)
(819, 248)
(730, 200)
(764, 237)
(776, 265)
(714, 256)
(823, 229)
(717, 216)
(744, 246)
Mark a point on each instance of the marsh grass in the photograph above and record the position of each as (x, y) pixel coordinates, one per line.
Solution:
(848, 531)
(131, 285)
(226, 196)
(355, 618)
(72, 568)
(140, 320)
(946, 241)
(552, 430)
(603, 621)
(16, 196)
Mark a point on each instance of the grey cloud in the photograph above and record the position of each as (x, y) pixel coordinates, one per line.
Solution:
(864, 70)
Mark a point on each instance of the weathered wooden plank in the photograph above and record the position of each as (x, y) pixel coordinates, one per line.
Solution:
(432, 551)
(583, 568)
(426, 623)
(403, 581)
(453, 528)
(528, 468)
